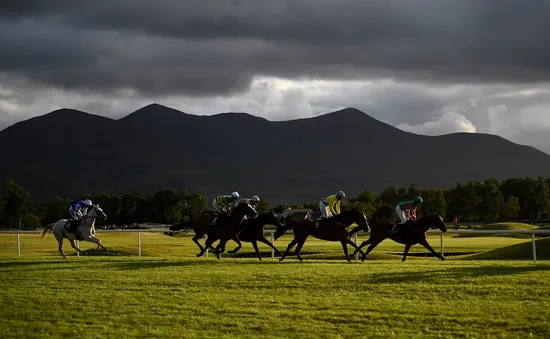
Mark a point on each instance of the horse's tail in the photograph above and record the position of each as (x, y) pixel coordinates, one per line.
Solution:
(282, 229)
(46, 230)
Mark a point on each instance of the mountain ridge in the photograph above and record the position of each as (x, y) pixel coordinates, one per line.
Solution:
(298, 160)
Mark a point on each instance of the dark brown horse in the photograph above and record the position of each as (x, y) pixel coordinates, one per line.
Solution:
(331, 229)
(252, 230)
(199, 225)
(408, 234)
(227, 227)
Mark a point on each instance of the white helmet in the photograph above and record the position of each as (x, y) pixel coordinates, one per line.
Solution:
(255, 199)
(88, 202)
(235, 194)
(340, 194)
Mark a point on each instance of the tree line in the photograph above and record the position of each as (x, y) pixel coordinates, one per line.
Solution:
(489, 200)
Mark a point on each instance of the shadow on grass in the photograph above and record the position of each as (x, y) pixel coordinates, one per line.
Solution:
(451, 275)
(41, 264)
(430, 255)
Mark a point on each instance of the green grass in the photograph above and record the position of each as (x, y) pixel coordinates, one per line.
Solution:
(169, 293)
(516, 252)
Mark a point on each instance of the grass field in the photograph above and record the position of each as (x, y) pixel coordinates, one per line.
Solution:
(169, 293)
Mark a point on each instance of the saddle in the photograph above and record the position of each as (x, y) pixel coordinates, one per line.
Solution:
(323, 223)
(70, 227)
(216, 217)
(399, 227)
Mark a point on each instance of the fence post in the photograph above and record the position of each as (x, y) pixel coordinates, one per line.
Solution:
(18, 245)
(356, 254)
(139, 244)
(442, 244)
(77, 243)
(206, 239)
(272, 250)
(534, 248)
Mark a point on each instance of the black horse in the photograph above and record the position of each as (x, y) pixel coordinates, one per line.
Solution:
(408, 234)
(330, 229)
(227, 228)
(252, 230)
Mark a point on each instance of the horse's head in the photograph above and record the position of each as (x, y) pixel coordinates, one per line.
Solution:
(95, 211)
(434, 220)
(246, 209)
(356, 216)
(270, 218)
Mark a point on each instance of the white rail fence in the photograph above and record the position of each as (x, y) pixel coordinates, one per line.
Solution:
(271, 232)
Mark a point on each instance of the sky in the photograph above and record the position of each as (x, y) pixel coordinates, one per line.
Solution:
(428, 66)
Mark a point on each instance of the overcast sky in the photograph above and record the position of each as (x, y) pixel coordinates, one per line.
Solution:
(426, 66)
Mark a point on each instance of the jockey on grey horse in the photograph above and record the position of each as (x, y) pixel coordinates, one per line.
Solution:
(77, 211)
(84, 229)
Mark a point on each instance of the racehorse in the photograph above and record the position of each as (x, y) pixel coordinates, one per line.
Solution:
(199, 226)
(84, 231)
(409, 234)
(330, 229)
(227, 227)
(252, 230)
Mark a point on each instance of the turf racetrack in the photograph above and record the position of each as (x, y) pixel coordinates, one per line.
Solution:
(169, 293)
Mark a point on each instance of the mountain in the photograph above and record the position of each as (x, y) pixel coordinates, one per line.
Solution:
(66, 153)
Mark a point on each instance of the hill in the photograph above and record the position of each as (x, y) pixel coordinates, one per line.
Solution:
(500, 226)
(68, 153)
(521, 251)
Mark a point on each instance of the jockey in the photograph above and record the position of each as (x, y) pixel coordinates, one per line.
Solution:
(253, 202)
(406, 210)
(78, 210)
(330, 205)
(223, 203)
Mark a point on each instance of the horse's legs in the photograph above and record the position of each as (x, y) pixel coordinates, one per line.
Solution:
(220, 248)
(407, 248)
(357, 249)
(196, 238)
(371, 247)
(345, 247)
(73, 244)
(288, 248)
(60, 242)
(207, 244)
(97, 241)
(255, 245)
(239, 245)
(265, 241)
(301, 243)
(424, 243)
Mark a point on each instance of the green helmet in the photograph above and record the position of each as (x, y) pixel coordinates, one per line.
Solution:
(418, 200)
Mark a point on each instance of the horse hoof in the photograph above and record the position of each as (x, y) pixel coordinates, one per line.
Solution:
(199, 255)
(443, 259)
(281, 259)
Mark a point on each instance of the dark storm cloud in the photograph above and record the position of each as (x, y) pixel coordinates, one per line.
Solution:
(216, 47)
